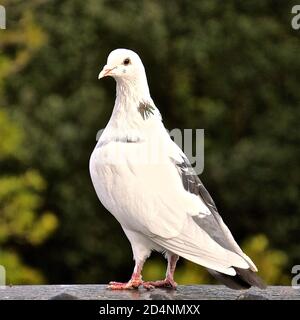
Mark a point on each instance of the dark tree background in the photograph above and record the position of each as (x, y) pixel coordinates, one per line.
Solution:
(230, 67)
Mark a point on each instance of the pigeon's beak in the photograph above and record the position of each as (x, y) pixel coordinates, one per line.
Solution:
(106, 71)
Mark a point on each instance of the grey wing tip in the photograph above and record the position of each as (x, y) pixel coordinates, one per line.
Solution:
(243, 280)
(251, 278)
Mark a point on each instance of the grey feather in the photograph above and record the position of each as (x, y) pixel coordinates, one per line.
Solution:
(243, 279)
(214, 226)
(145, 109)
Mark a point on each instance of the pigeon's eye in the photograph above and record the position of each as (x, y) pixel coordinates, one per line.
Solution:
(126, 61)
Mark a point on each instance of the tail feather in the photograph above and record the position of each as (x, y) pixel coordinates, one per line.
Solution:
(244, 279)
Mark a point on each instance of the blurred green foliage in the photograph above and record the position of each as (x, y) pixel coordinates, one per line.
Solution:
(230, 67)
(24, 223)
(269, 261)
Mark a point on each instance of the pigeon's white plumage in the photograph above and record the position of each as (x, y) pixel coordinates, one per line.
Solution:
(144, 179)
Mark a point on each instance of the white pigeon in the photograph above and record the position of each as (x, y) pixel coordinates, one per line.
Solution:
(145, 180)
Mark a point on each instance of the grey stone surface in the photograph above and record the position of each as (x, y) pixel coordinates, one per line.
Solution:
(99, 292)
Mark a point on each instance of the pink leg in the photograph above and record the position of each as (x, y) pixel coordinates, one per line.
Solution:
(168, 282)
(133, 283)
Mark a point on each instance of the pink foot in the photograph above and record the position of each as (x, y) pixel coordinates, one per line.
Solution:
(131, 284)
(167, 283)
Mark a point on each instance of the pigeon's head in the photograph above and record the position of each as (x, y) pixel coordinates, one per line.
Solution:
(123, 64)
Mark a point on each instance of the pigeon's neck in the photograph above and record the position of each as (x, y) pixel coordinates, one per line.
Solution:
(135, 117)
(130, 92)
(131, 97)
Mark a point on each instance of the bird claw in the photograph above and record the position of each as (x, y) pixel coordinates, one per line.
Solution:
(167, 283)
(148, 285)
(131, 284)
